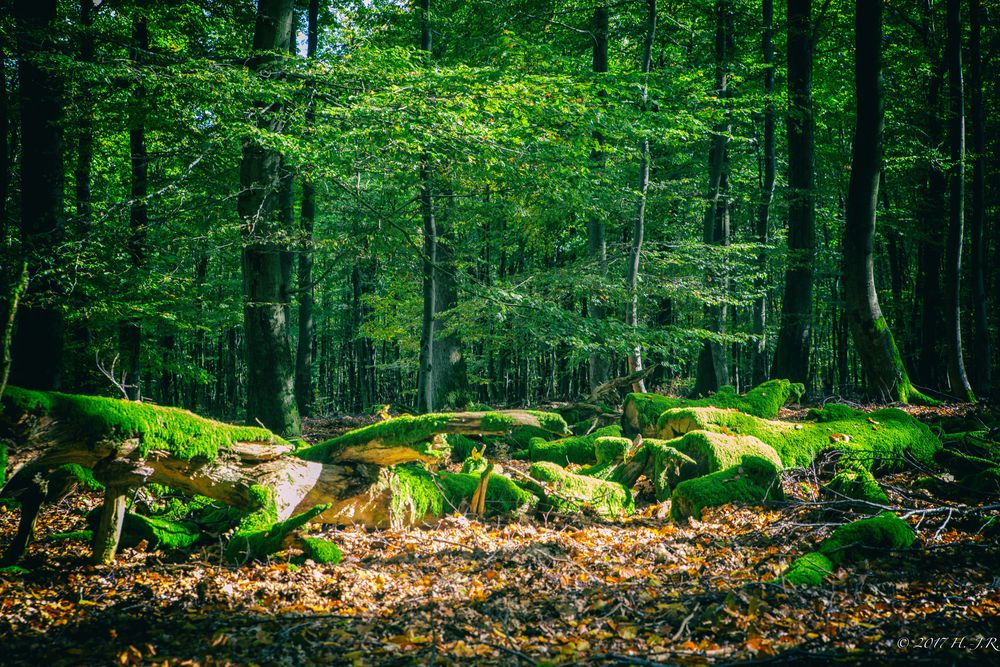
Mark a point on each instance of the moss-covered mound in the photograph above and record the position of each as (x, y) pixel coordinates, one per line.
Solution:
(259, 534)
(503, 495)
(872, 536)
(855, 481)
(667, 467)
(881, 439)
(159, 533)
(322, 551)
(641, 411)
(571, 492)
(461, 446)
(754, 481)
(183, 434)
(717, 451)
(579, 449)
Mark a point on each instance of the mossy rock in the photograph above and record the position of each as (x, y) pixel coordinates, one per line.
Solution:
(579, 449)
(324, 552)
(641, 412)
(610, 449)
(461, 446)
(856, 482)
(754, 481)
(183, 434)
(717, 451)
(809, 570)
(503, 495)
(882, 439)
(667, 467)
(962, 465)
(571, 492)
(72, 536)
(159, 533)
(984, 483)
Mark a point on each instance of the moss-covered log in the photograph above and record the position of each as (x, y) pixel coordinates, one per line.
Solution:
(566, 491)
(641, 411)
(753, 481)
(579, 449)
(874, 535)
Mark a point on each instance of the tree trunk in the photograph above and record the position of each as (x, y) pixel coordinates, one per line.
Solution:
(85, 147)
(957, 377)
(304, 350)
(758, 353)
(270, 369)
(597, 248)
(38, 338)
(982, 354)
(425, 373)
(451, 385)
(791, 355)
(870, 331)
(639, 229)
(713, 368)
(130, 330)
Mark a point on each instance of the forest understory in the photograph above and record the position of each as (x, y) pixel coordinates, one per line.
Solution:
(541, 589)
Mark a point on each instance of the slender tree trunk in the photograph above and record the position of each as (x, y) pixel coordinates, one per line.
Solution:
(791, 355)
(38, 340)
(451, 384)
(957, 377)
(870, 331)
(85, 146)
(639, 229)
(981, 352)
(713, 370)
(758, 353)
(304, 350)
(130, 331)
(271, 372)
(425, 373)
(597, 247)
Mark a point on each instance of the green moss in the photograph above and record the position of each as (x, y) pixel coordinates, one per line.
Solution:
(415, 496)
(752, 482)
(667, 467)
(571, 492)
(855, 481)
(610, 449)
(858, 538)
(551, 422)
(809, 570)
(73, 472)
(503, 495)
(13, 571)
(962, 465)
(396, 432)
(573, 449)
(523, 435)
(259, 533)
(717, 451)
(461, 446)
(159, 533)
(72, 536)
(3, 464)
(882, 439)
(985, 482)
(641, 411)
(496, 422)
(322, 551)
(181, 433)
(973, 443)
(475, 465)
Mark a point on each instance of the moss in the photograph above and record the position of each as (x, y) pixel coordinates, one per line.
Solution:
(962, 465)
(717, 451)
(667, 467)
(858, 538)
(523, 435)
(985, 482)
(415, 496)
(181, 433)
(577, 449)
(551, 422)
(396, 432)
(474, 465)
(496, 422)
(73, 472)
(72, 536)
(855, 481)
(503, 495)
(13, 571)
(322, 551)
(882, 439)
(159, 533)
(973, 443)
(641, 411)
(809, 570)
(3, 464)
(461, 446)
(609, 449)
(571, 492)
(753, 482)
(259, 533)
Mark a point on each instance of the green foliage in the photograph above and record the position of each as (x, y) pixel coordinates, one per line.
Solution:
(754, 481)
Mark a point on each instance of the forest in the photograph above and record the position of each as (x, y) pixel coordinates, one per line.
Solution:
(534, 332)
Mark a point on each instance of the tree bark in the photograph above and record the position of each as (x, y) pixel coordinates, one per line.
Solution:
(713, 367)
(758, 353)
(38, 339)
(639, 229)
(425, 373)
(981, 348)
(597, 248)
(791, 355)
(451, 385)
(270, 369)
(870, 331)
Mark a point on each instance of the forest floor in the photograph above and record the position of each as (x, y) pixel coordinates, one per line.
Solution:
(543, 590)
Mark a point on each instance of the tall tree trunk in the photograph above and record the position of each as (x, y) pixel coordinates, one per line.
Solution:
(271, 372)
(870, 331)
(639, 229)
(713, 369)
(758, 353)
(38, 340)
(85, 146)
(130, 331)
(791, 355)
(425, 372)
(597, 248)
(304, 349)
(957, 376)
(451, 384)
(981, 352)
